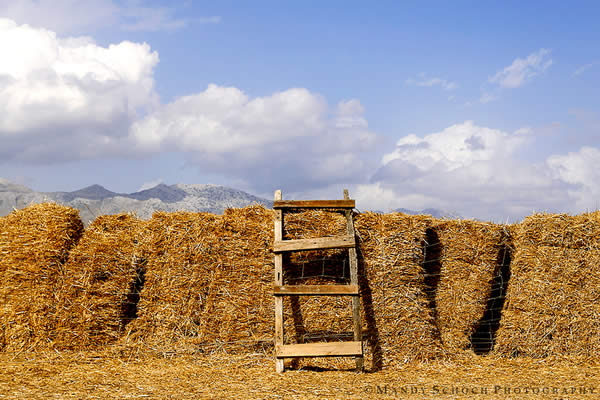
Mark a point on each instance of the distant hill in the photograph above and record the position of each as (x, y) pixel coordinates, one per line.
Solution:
(434, 212)
(96, 200)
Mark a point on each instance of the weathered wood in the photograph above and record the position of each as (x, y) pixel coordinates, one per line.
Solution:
(314, 204)
(279, 367)
(316, 290)
(334, 242)
(330, 349)
(356, 321)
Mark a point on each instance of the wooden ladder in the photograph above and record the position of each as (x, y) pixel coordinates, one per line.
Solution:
(325, 349)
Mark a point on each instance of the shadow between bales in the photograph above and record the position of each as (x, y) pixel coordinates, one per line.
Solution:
(372, 333)
(432, 267)
(483, 338)
(129, 308)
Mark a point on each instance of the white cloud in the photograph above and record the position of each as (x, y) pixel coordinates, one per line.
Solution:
(75, 16)
(522, 71)
(470, 169)
(429, 82)
(581, 170)
(456, 146)
(287, 136)
(68, 98)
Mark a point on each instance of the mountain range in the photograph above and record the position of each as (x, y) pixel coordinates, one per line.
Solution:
(96, 200)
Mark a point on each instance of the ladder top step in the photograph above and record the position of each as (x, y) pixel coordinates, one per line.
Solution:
(333, 242)
(313, 204)
(316, 290)
(330, 349)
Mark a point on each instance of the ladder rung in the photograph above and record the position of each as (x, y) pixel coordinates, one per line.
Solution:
(316, 290)
(320, 349)
(334, 242)
(313, 204)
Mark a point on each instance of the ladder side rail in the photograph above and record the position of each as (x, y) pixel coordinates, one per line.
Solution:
(278, 230)
(354, 281)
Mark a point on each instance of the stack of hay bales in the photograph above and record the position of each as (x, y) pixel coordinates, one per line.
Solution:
(34, 243)
(208, 285)
(208, 282)
(470, 256)
(552, 305)
(104, 274)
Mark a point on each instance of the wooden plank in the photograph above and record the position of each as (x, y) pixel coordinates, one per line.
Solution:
(356, 321)
(335, 242)
(316, 290)
(278, 230)
(277, 204)
(331, 349)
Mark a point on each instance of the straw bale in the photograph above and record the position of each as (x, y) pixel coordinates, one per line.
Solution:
(552, 302)
(399, 322)
(471, 254)
(208, 282)
(561, 230)
(34, 243)
(104, 273)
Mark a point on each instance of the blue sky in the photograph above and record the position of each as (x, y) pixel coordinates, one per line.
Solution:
(489, 109)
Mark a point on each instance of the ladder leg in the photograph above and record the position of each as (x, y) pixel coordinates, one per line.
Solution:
(357, 329)
(278, 331)
(354, 281)
(279, 366)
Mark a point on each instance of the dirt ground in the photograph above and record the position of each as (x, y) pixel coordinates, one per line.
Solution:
(98, 376)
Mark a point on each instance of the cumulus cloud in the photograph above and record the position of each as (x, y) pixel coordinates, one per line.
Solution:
(522, 70)
(75, 16)
(471, 169)
(580, 169)
(68, 98)
(290, 136)
(456, 146)
(429, 82)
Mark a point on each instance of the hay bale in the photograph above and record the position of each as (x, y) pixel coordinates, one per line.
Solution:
(469, 260)
(399, 322)
(208, 282)
(104, 274)
(552, 304)
(34, 244)
(561, 230)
